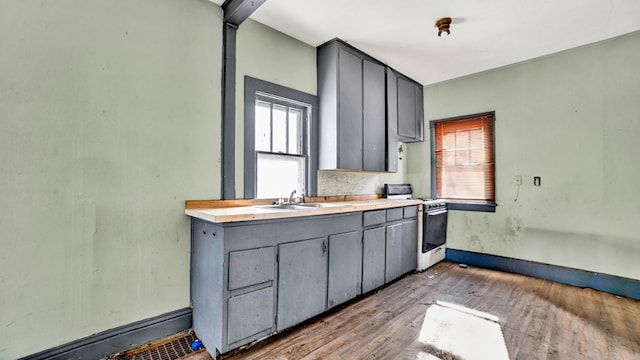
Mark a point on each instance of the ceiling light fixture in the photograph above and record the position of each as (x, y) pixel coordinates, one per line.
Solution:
(443, 26)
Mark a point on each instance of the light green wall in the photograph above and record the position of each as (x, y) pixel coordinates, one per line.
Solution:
(399, 177)
(269, 55)
(572, 118)
(109, 122)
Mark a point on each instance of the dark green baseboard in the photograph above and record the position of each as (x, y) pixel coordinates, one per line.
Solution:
(586, 279)
(119, 339)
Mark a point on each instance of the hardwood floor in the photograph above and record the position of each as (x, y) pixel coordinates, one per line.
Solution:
(539, 319)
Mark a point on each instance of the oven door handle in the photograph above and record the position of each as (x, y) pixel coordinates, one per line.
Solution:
(437, 212)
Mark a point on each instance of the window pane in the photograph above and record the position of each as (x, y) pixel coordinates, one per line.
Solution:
(263, 126)
(462, 139)
(279, 129)
(477, 152)
(475, 138)
(295, 133)
(278, 175)
(448, 141)
(462, 157)
(449, 158)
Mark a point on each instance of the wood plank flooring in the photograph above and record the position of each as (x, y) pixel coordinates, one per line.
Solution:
(539, 319)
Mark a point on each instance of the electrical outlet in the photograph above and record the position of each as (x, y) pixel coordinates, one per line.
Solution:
(518, 180)
(536, 181)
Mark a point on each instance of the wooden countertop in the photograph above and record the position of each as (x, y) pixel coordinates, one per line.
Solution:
(262, 212)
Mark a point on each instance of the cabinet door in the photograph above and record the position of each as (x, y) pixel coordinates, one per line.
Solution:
(345, 267)
(406, 109)
(373, 109)
(392, 121)
(373, 258)
(250, 267)
(250, 314)
(302, 281)
(393, 254)
(349, 111)
(409, 245)
(419, 120)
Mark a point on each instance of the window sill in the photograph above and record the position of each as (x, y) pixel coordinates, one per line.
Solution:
(482, 206)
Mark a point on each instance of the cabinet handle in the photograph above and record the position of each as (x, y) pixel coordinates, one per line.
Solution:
(324, 247)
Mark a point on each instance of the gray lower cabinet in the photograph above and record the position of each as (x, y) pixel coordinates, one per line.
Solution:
(249, 267)
(302, 281)
(250, 314)
(252, 279)
(390, 245)
(373, 258)
(394, 252)
(409, 245)
(251, 302)
(345, 267)
(410, 225)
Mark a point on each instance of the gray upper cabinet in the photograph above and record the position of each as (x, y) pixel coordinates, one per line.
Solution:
(392, 121)
(349, 116)
(407, 109)
(351, 92)
(373, 116)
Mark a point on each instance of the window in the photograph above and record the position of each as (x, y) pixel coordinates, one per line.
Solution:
(280, 149)
(280, 154)
(463, 167)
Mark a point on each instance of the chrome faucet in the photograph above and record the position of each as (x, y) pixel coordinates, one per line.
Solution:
(291, 196)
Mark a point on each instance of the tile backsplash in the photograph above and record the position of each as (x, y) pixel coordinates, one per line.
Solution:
(331, 182)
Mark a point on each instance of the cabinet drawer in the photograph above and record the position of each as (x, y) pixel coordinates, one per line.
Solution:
(410, 212)
(250, 267)
(374, 217)
(250, 314)
(394, 214)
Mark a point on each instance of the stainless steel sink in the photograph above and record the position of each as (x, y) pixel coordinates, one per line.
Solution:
(281, 207)
(303, 206)
(322, 205)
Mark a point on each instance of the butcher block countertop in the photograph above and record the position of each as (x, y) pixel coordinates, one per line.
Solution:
(227, 211)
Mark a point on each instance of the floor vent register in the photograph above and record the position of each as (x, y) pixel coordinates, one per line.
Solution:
(173, 347)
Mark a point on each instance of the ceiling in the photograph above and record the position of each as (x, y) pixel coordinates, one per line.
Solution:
(485, 34)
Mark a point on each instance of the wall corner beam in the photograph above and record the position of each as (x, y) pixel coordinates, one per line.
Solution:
(235, 12)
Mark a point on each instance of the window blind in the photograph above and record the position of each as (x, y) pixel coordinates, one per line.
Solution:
(464, 158)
